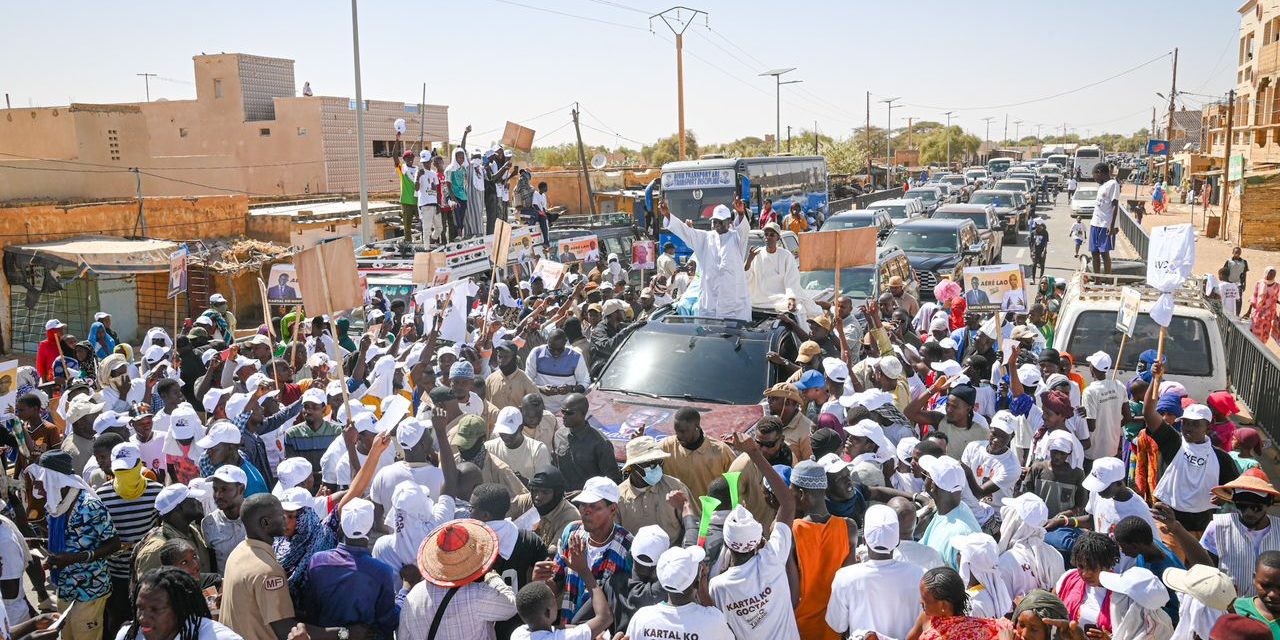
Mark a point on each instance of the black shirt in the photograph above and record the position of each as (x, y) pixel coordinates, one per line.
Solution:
(583, 455)
(515, 571)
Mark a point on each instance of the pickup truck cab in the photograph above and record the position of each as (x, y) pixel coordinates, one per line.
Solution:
(1022, 185)
(929, 197)
(859, 218)
(1193, 348)
(1010, 206)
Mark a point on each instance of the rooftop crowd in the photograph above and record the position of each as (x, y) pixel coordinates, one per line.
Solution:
(924, 471)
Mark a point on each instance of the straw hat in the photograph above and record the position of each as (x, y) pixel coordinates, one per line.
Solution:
(457, 553)
(1252, 480)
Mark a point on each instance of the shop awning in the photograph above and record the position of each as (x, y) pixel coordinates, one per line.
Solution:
(102, 254)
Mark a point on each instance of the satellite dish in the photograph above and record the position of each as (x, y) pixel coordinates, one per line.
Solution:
(400, 126)
(598, 161)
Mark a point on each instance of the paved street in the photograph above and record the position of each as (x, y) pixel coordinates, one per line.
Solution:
(1061, 261)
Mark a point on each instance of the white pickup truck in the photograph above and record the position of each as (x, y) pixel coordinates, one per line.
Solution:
(1193, 347)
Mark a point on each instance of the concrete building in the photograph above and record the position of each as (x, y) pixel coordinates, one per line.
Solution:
(246, 132)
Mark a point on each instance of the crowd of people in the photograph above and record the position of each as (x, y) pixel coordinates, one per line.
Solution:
(922, 471)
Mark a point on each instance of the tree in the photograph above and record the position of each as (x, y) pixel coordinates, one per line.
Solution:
(668, 150)
(848, 155)
(933, 149)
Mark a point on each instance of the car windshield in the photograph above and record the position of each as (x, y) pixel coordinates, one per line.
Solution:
(1189, 355)
(696, 204)
(847, 222)
(997, 199)
(1085, 194)
(856, 283)
(924, 194)
(957, 180)
(672, 364)
(895, 211)
(923, 240)
(979, 219)
(1012, 185)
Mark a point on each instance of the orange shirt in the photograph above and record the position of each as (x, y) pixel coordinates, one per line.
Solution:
(821, 549)
(796, 224)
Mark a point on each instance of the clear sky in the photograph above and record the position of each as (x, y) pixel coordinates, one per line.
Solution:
(498, 60)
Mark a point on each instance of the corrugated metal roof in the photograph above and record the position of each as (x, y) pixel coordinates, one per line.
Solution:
(104, 254)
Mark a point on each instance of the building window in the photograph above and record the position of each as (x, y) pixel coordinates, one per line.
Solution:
(264, 132)
(182, 132)
(217, 87)
(302, 131)
(384, 148)
(113, 144)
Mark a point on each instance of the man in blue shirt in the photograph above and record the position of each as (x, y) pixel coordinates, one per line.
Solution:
(1137, 541)
(347, 586)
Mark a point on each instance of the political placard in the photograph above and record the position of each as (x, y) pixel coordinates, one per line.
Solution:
(643, 255)
(328, 278)
(995, 287)
(1127, 314)
(178, 271)
(549, 271)
(283, 289)
(1157, 147)
(579, 249)
(8, 387)
(830, 250)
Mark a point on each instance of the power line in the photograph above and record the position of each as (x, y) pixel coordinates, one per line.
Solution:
(571, 15)
(611, 130)
(612, 133)
(619, 5)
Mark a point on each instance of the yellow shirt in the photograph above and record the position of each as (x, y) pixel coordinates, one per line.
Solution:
(797, 433)
(545, 431)
(508, 391)
(255, 591)
(698, 467)
(639, 507)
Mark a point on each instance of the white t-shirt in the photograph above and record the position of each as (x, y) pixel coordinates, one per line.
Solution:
(209, 630)
(579, 632)
(1077, 230)
(152, 452)
(389, 477)
(1103, 403)
(663, 622)
(1072, 184)
(1107, 512)
(754, 596)
(1103, 210)
(893, 609)
(540, 200)
(1001, 469)
(427, 188)
(1230, 294)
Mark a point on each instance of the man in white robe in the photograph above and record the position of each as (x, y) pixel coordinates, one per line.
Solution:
(721, 254)
(773, 278)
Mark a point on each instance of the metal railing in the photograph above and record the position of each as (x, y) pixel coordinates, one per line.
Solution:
(1133, 232)
(1253, 373)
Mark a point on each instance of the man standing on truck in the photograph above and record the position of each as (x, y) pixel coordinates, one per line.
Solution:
(1102, 227)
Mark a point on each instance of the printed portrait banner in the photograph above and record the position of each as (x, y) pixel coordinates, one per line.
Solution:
(8, 387)
(644, 255)
(579, 249)
(178, 271)
(995, 287)
(1127, 314)
(549, 271)
(282, 287)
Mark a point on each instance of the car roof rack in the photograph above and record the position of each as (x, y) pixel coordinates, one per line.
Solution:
(1100, 286)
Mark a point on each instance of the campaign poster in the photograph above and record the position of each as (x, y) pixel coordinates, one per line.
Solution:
(579, 249)
(178, 271)
(549, 271)
(284, 289)
(995, 287)
(8, 387)
(643, 255)
(1127, 315)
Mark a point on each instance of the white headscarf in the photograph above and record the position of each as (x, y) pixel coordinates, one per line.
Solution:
(410, 520)
(381, 381)
(157, 333)
(504, 295)
(1137, 622)
(54, 482)
(980, 560)
(1194, 617)
(1022, 535)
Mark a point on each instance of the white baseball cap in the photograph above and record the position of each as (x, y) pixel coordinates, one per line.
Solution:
(867, 428)
(678, 567)
(315, 396)
(1197, 412)
(880, 528)
(357, 518)
(721, 212)
(949, 368)
(649, 544)
(154, 353)
(257, 381)
(948, 343)
(1203, 582)
(1105, 472)
(236, 405)
(231, 474)
(365, 422)
(508, 422)
(597, 489)
(294, 498)
(217, 298)
(222, 432)
(184, 419)
(125, 456)
(292, 471)
(945, 472)
(1100, 361)
(213, 397)
(832, 463)
(1004, 421)
(97, 317)
(890, 366)
(54, 324)
(835, 369)
(203, 319)
(242, 362)
(208, 355)
(1029, 374)
(871, 399)
(107, 420)
(411, 431)
(318, 359)
(1142, 586)
(170, 497)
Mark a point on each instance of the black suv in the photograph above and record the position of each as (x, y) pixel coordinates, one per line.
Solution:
(938, 248)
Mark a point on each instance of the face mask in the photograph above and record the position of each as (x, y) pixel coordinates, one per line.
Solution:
(653, 475)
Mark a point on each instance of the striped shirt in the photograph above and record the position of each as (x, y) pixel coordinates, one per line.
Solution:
(132, 520)
(613, 557)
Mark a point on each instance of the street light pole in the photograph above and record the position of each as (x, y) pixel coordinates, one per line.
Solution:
(888, 131)
(948, 132)
(366, 225)
(679, 33)
(777, 78)
(987, 136)
(146, 79)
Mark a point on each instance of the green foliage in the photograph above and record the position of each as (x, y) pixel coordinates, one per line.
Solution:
(847, 155)
(668, 149)
(933, 149)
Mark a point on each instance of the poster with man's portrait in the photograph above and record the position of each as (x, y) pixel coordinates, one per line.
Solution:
(579, 249)
(8, 387)
(283, 286)
(643, 255)
(178, 271)
(995, 287)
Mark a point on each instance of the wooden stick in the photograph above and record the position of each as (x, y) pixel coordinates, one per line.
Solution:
(1115, 366)
(1160, 354)
(333, 329)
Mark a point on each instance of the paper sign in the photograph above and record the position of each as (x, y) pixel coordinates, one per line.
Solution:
(8, 387)
(178, 271)
(549, 271)
(425, 265)
(995, 287)
(1127, 314)
(328, 277)
(517, 137)
(501, 242)
(442, 276)
(579, 249)
(643, 255)
(283, 289)
(829, 250)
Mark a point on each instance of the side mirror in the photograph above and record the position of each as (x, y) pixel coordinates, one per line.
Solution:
(974, 249)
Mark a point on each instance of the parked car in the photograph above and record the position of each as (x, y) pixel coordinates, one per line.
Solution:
(938, 247)
(948, 192)
(930, 197)
(899, 209)
(1022, 186)
(862, 284)
(990, 228)
(859, 218)
(1011, 208)
(675, 361)
(1082, 202)
(977, 176)
(1052, 173)
(960, 183)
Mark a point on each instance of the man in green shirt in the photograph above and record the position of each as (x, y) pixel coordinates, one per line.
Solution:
(1265, 606)
(408, 197)
(456, 177)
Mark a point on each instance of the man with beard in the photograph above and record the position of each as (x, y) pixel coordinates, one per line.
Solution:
(507, 386)
(767, 433)
(557, 370)
(536, 421)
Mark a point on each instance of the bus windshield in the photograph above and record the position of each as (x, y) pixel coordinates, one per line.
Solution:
(696, 204)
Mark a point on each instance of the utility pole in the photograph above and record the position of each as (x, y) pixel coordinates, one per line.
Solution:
(142, 216)
(888, 135)
(909, 145)
(678, 29)
(867, 133)
(1173, 93)
(777, 96)
(422, 120)
(366, 225)
(987, 136)
(788, 138)
(948, 133)
(815, 137)
(582, 160)
(1226, 168)
(146, 79)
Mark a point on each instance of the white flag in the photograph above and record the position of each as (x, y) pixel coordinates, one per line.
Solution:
(1170, 259)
